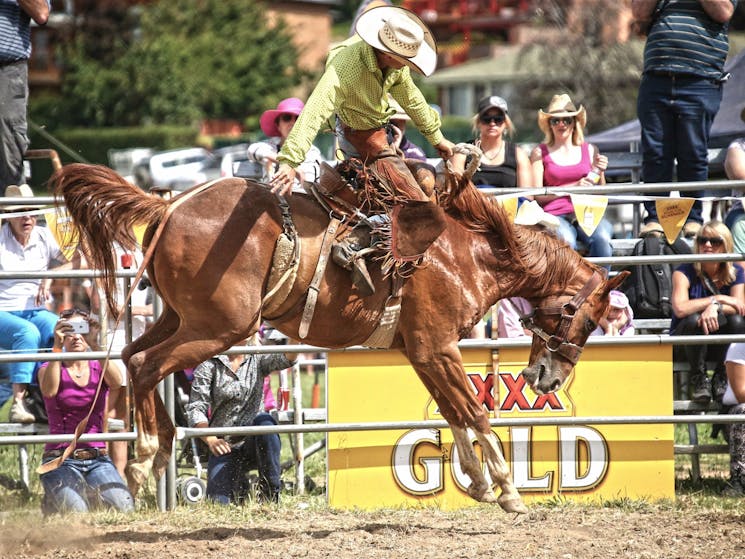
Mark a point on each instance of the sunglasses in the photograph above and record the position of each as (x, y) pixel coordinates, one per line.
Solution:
(496, 119)
(568, 120)
(287, 117)
(714, 241)
(67, 313)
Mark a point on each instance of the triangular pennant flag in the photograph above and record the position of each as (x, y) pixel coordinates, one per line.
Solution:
(60, 224)
(139, 231)
(509, 203)
(589, 209)
(672, 213)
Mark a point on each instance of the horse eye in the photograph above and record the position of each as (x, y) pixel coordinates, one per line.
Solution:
(590, 325)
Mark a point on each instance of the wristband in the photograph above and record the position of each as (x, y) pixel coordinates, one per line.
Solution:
(56, 350)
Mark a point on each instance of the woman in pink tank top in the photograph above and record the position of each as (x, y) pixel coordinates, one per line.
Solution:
(565, 159)
(88, 478)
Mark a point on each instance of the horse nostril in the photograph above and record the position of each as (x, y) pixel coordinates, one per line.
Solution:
(555, 385)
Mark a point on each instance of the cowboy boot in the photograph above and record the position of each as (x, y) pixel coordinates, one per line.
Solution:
(349, 253)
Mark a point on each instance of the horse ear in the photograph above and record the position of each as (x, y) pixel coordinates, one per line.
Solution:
(615, 282)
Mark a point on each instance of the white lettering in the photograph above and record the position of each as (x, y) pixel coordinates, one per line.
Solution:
(573, 441)
(522, 462)
(405, 459)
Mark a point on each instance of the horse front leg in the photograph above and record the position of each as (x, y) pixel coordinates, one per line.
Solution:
(480, 490)
(499, 471)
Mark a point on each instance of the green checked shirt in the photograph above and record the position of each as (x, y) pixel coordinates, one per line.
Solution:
(354, 88)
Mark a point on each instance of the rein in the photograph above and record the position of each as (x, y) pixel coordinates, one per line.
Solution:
(558, 342)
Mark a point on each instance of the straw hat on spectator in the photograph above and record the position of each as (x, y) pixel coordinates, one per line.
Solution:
(401, 34)
(561, 105)
(22, 191)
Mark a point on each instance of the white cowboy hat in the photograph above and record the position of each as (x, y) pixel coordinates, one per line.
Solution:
(23, 191)
(561, 105)
(400, 33)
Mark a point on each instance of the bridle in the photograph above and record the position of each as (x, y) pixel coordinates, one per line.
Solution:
(558, 342)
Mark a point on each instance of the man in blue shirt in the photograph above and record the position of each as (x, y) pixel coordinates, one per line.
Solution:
(681, 89)
(15, 50)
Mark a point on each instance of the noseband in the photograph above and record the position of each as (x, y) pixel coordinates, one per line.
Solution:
(557, 342)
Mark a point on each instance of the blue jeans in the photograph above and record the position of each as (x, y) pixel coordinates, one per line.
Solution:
(676, 114)
(81, 485)
(598, 243)
(226, 475)
(26, 332)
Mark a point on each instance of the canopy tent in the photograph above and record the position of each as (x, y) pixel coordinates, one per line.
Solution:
(727, 126)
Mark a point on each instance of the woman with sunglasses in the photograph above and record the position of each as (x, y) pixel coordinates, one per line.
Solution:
(26, 325)
(708, 298)
(565, 159)
(503, 164)
(88, 478)
(276, 124)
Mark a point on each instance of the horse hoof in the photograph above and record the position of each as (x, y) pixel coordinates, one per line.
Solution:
(160, 463)
(485, 495)
(512, 504)
(135, 478)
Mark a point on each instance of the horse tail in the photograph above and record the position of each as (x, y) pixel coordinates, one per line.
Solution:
(104, 209)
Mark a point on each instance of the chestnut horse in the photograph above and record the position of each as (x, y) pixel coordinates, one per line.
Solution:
(214, 255)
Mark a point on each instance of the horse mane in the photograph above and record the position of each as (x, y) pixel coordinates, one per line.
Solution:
(547, 258)
(90, 191)
(479, 213)
(538, 258)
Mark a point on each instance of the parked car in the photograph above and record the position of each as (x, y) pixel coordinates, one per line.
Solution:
(177, 169)
(125, 161)
(235, 163)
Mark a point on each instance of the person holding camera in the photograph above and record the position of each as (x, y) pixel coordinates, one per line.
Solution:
(88, 478)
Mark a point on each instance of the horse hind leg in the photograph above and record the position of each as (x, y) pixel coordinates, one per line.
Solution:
(499, 471)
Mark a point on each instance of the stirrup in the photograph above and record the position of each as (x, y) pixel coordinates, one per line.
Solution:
(360, 276)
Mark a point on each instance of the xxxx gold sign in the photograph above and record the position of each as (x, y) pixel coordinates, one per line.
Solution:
(373, 469)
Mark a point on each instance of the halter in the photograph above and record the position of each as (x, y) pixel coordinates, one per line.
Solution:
(557, 342)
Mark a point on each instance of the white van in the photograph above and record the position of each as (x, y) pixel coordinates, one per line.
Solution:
(179, 169)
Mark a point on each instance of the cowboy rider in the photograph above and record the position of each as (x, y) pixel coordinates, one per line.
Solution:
(389, 43)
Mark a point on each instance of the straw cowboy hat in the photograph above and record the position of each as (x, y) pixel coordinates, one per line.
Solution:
(23, 191)
(268, 120)
(561, 105)
(401, 34)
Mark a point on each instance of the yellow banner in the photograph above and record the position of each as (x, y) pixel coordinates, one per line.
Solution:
(509, 203)
(672, 213)
(60, 224)
(582, 462)
(589, 210)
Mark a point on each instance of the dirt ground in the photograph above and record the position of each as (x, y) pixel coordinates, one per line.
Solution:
(557, 532)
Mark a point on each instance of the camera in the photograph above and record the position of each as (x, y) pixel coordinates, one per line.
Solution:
(80, 326)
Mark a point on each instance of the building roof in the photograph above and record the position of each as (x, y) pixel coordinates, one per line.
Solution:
(502, 66)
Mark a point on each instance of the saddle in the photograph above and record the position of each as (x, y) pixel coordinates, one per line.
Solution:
(407, 221)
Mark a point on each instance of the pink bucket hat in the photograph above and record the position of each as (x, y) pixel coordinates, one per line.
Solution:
(618, 299)
(268, 120)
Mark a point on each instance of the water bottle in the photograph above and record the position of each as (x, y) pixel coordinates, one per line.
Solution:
(594, 175)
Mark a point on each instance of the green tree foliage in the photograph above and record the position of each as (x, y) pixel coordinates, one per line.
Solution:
(579, 54)
(183, 61)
